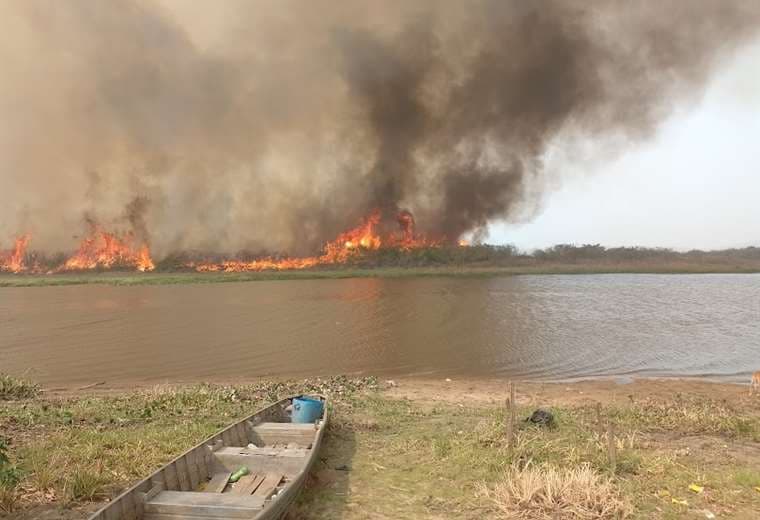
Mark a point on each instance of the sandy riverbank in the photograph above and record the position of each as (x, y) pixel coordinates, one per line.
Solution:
(477, 391)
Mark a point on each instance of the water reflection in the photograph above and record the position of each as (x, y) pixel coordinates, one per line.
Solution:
(533, 327)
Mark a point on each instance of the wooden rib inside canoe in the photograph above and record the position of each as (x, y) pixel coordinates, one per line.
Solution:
(277, 453)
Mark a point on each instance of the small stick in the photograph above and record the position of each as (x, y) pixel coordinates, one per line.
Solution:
(611, 449)
(599, 425)
(511, 417)
(93, 385)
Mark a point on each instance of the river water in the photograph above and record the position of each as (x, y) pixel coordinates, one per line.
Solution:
(528, 327)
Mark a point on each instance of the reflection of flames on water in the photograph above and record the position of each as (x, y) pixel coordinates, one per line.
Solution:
(350, 244)
(14, 260)
(105, 250)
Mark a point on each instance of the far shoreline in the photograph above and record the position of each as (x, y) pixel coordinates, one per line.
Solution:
(131, 278)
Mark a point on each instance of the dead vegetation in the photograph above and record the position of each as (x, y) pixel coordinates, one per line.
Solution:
(12, 388)
(547, 492)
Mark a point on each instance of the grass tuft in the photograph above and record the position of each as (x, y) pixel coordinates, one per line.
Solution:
(546, 492)
(693, 413)
(9, 478)
(12, 388)
(84, 483)
(747, 478)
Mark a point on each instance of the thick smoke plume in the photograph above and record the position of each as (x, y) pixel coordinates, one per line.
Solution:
(274, 125)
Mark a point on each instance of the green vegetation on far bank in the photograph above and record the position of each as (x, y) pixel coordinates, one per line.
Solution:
(173, 278)
(390, 457)
(471, 261)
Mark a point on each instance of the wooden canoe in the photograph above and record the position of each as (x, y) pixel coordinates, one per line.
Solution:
(195, 486)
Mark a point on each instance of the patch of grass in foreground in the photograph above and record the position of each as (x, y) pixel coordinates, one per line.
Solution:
(17, 388)
(393, 458)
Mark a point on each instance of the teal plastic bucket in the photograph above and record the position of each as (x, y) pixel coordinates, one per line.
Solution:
(306, 410)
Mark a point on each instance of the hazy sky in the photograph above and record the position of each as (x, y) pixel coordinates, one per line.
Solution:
(695, 185)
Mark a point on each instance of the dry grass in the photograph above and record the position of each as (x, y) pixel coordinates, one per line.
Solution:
(12, 388)
(692, 413)
(547, 492)
(394, 458)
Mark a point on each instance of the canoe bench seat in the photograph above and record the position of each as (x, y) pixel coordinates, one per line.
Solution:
(274, 433)
(171, 505)
(289, 461)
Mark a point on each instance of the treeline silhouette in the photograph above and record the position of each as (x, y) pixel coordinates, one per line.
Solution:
(587, 255)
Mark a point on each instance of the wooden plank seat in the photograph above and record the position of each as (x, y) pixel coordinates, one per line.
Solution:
(287, 462)
(218, 482)
(247, 484)
(190, 504)
(266, 451)
(271, 433)
(269, 485)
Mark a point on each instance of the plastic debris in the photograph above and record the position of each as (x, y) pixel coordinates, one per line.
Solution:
(541, 417)
(708, 514)
(239, 473)
(757, 488)
(696, 488)
(679, 501)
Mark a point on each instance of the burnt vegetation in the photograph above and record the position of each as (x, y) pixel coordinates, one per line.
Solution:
(560, 258)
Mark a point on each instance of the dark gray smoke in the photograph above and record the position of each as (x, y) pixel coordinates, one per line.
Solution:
(274, 125)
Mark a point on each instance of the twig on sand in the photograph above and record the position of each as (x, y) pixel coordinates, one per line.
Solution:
(92, 385)
(511, 417)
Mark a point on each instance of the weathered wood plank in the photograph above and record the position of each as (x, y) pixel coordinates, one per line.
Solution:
(242, 434)
(215, 505)
(218, 482)
(182, 475)
(248, 484)
(172, 480)
(128, 508)
(192, 467)
(289, 466)
(269, 434)
(266, 489)
(267, 451)
(201, 464)
(165, 516)
(155, 490)
(113, 513)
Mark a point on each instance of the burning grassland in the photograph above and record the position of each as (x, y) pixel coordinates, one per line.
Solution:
(103, 250)
(14, 261)
(371, 235)
(206, 130)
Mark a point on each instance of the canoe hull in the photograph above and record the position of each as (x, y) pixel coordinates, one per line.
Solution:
(191, 471)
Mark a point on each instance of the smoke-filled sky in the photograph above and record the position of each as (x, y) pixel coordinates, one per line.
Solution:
(695, 184)
(274, 125)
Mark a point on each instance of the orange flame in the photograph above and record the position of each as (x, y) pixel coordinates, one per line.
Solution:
(106, 250)
(13, 261)
(349, 244)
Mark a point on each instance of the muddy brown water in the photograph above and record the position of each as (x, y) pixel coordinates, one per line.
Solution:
(529, 327)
